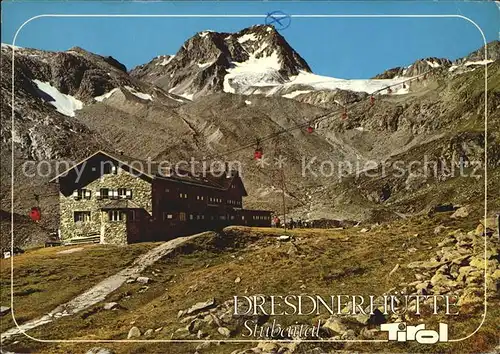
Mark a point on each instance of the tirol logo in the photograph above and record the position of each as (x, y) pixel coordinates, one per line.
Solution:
(401, 332)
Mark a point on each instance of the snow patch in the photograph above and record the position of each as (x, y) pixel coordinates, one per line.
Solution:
(254, 72)
(296, 93)
(247, 37)
(479, 62)
(433, 64)
(189, 96)
(143, 96)
(65, 104)
(205, 33)
(204, 65)
(166, 60)
(106, 95)
(400, 90)
(319, 82)
(10, 46)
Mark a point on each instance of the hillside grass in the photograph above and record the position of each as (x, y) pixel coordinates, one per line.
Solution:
(45, 278)
(326, 262)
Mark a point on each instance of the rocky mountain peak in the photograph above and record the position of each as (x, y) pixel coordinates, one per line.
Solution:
(423, 65)
(493, 49)
(202, 64)
(418, 67)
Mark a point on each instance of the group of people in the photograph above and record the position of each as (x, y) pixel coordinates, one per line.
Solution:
(291, 224)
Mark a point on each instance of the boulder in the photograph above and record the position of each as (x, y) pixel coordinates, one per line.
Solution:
(366, 333)
(110, 305)
(148, 333)
(181, 333)
(4, 310)
(362, 318)
(440, 280)
(134, 332)
(200, 306)
(335, 325)
(143, 280)
(462, 212)
(194, 325)
(226, 332)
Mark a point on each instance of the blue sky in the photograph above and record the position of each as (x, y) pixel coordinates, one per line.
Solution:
(339, 47)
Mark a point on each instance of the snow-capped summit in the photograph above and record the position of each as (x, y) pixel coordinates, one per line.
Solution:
(215, 61)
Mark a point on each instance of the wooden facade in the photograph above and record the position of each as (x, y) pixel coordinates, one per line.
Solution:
(120, 201)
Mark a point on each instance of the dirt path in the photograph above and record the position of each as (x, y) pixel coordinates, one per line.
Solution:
(99, 292)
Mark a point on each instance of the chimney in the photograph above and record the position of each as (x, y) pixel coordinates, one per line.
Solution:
(227, 170)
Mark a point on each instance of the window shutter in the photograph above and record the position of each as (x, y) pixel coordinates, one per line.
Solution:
(98, 194)
(75, 194)
(88, 194)
(128, 194)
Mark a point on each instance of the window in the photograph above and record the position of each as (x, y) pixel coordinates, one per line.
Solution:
(81, 216)
(82, 194)
(190, 216)
(102, 193)
(131, 215)
(124, 193)
(182, 216)
(167, 216)
(116, 215)
(183, 195)
(243, 217)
